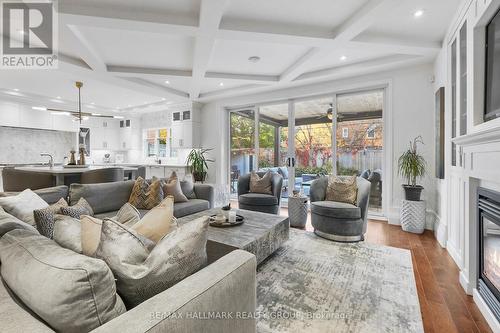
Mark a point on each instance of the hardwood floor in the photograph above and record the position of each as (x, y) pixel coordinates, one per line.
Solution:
(444, 305)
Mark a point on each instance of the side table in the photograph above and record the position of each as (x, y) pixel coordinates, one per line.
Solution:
(413, 216)
(297, 211)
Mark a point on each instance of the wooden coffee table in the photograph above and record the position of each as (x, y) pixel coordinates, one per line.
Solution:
(260, 234)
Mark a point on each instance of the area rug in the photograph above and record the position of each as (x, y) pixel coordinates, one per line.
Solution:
(315, 285)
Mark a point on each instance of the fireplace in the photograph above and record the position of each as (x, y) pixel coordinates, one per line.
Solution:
(489, 248)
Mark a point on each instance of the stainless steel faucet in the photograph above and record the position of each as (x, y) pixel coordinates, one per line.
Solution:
(51, 161)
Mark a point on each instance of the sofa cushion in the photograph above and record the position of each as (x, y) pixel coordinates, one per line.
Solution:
(342, 189)
(335, 209)
(128, 215)
(143, 274)
(192, 206)
(158, 222)
(82, 207)
(261, 184)
(187, 187)
(50, 194)
(20, 317)
(173, 188)
(46, 217)
(104, 197)
(67, 233)
(258, 199)
(69, 291)
(9, 222)
(23, 204)
(146, 195)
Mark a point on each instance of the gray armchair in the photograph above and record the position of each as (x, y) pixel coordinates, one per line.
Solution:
(265, 203)
(339, 221)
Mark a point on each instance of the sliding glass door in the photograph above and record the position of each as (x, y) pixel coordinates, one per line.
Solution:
(242, 145)
(305, 139)
(313, 142)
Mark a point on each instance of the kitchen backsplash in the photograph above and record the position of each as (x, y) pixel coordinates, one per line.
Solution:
(24, 145)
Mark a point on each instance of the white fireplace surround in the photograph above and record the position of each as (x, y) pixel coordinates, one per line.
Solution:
(480, 152)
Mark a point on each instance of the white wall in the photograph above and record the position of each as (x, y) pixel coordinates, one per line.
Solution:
(410, 109)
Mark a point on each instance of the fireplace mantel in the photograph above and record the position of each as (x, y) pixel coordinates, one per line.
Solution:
(490, 135)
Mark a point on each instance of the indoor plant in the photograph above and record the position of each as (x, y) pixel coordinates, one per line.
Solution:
(197, 162)
(411, 165)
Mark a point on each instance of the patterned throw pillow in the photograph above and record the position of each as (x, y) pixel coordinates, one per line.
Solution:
(82, 207)
(342, 189)
(261, 185)
(146, 273)
(46, 217)
(145, 195)
(91, 227)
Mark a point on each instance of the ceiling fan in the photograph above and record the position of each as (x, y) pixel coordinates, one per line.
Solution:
(79, 115)
(329, 113)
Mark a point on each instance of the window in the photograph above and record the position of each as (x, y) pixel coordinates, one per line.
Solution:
(156, 142)
(370, 133)
(345, 132)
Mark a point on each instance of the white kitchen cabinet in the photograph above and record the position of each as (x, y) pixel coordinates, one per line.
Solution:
(9, 114)
(104, 134)
(130, 135)
(185, 134)
(157, 171)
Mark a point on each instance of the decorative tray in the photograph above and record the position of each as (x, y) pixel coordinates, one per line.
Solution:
(68, 166)
(221, 224)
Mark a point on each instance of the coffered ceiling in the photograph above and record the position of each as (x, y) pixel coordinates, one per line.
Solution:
(140, 53)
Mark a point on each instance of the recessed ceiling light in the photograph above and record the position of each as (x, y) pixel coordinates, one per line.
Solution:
(163, 99)
(343, 58)
(15, 89)
(58, 97)
(221, 84)
(254, 59)
(167, 82)
(418, 13)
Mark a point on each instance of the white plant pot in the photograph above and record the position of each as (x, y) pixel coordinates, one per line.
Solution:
(412, 216)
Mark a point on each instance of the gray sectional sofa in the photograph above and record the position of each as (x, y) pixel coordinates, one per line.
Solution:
(107, 198)
(226, 287)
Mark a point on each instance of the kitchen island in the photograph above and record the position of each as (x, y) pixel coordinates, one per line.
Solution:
(60, 173)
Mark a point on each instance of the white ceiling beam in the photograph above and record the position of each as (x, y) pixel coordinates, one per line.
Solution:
(396, 44)
(85, 49)
(134, 71)
(352, 27)
(297, 67)
(210, 16)
(155, 86)
(245, 77)
(145, 88)
(131, 24)
(230, 91)
(359, 66)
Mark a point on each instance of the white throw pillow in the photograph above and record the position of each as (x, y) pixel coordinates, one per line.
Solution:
(23, 205)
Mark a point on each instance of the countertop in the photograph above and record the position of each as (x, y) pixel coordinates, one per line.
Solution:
(167, 165)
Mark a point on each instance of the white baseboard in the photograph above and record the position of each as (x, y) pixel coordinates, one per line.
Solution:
(440, 232)
(485, 310)
(464, 282)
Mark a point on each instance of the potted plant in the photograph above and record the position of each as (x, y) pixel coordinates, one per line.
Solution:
(411, 165)
(197, 162)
